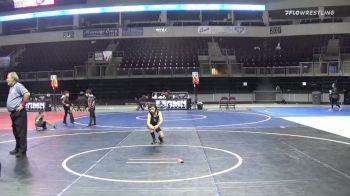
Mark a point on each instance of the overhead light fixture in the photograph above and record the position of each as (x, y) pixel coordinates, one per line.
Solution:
(134, 8)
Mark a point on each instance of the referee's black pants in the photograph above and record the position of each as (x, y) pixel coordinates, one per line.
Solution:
(19, 128)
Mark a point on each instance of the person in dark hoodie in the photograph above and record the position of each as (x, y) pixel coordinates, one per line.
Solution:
(334, 97)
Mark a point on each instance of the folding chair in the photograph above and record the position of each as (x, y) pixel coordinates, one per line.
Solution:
(223, 102)
(232, 102)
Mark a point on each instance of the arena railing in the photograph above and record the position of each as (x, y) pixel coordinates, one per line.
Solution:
(272, 71)
(332, 68)
(203, 52)
(319, 50)
(324, 68)
(114, 71)
(329, 68)
(228, 52)
(345, 50)
(322, 50)
(46, 75)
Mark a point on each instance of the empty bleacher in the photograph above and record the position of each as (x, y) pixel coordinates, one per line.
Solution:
(161, 52)
(215, 15)
(7, 50)
(293, 50)
(141, 19)
(58, 55)
(56, 24)
(106, 20)
(19, 26)
(183, 15)
(150, 53)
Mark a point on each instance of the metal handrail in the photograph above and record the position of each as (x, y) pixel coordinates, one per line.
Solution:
(322, 68)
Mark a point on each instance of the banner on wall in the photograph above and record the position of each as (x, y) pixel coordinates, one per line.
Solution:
(133, 31)
(224, 30)
(102, 32)
(195, 78)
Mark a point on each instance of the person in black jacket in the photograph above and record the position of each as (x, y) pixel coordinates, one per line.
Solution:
(66, 106)
(334, 97)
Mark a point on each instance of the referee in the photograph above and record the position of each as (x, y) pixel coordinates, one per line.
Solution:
(91, 106)
(16, 104)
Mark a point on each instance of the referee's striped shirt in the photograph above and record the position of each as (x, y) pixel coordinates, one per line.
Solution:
(91, 101)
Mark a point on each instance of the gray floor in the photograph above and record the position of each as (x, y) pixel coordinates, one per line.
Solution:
(275, 161)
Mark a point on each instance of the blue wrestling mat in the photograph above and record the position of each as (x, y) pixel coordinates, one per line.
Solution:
(303, 111)
(188, 119)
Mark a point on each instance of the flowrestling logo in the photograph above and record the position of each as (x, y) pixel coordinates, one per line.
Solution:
(309, 12)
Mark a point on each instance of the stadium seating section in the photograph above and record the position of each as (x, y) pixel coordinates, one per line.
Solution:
(173, 52)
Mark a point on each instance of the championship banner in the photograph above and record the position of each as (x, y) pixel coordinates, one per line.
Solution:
(222, 30)
(103, 32)
(195, 79)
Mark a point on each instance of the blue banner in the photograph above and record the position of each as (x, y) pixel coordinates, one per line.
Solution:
(103, 32)
(133, 31)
